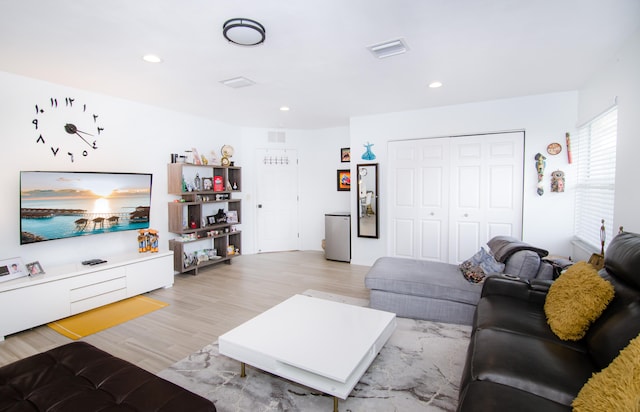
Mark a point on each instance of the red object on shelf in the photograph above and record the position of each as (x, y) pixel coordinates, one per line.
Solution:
(218, 185)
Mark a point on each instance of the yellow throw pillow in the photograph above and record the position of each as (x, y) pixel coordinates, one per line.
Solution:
(616, 387)
(576, 299)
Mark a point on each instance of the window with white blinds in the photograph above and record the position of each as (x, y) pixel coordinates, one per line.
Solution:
(595, 155)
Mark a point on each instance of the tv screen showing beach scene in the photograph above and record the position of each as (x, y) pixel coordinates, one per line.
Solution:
(58, 205)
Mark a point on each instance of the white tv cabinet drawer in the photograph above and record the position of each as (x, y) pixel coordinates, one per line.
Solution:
(70, 289)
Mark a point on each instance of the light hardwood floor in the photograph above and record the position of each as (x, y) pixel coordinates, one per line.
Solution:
(205, 306)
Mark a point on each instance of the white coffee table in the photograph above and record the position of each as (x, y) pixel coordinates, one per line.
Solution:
(318, 343)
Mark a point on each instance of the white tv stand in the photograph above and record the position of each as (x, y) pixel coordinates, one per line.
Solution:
(73, 288)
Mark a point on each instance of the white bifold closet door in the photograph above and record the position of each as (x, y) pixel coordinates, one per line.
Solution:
(450, 195)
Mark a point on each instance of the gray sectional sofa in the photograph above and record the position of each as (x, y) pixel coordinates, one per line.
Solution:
(438, 291)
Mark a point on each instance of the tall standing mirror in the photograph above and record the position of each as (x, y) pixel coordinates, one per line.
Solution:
(368, 200)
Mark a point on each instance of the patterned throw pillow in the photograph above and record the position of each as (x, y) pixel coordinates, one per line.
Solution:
(478, 266)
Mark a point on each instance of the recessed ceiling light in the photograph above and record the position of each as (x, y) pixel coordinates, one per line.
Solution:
(151, 58)
(284, 109)
(435, 85)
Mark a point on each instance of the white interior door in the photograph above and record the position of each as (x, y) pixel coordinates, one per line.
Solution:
(419, 176)
(449, 196)
(486, 191)
(277, 200)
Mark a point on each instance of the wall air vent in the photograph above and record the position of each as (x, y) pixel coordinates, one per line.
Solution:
(277, 137)
(389, 48)
(238, 82)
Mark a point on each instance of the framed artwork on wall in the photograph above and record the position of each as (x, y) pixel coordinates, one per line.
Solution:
(344, 180)
(345, 154)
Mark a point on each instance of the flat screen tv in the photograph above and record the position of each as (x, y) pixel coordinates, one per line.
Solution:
(58, 205)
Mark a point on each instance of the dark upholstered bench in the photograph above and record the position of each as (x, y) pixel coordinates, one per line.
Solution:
(81, 377)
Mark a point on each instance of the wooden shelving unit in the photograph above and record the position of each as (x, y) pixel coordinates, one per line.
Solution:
(204, 191)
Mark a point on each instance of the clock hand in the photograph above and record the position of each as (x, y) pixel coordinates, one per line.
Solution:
(72, 129)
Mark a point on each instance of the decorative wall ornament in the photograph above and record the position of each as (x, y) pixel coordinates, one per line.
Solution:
(540, 165)
(568, 138)
(368, 154)
(557, 181)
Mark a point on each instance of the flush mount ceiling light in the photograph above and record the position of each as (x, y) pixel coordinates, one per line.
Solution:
(435, 85)
(244, 32)
(389, 48)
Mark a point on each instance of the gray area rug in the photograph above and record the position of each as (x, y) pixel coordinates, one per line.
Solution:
(419, 369)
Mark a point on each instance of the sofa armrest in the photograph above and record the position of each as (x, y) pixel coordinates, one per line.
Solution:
(525, 289)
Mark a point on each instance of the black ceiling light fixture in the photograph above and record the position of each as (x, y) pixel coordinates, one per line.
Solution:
(244, 32)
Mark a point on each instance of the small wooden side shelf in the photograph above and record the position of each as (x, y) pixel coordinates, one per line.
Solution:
(204, 191)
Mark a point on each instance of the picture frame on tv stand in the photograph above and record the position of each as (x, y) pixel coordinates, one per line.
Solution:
(12, 268)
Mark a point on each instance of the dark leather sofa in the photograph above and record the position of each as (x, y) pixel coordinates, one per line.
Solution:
(516, 363)
(81, 377)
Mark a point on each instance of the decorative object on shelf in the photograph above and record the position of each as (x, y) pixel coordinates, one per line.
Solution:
(540, 165)
(12, 269)
(197, 182)
(34, 268)
(344, 180)
(196, 156)
(207, 183)
(368, 154)
(227, 153)
(345, 154)
(211, 220)
(55, 121)
(213, 158)
(148, 240)
(218, 184)
(568, 139)
(235, 186)
(188, 156)
(597, 260)
(244, 32)
(232, 216)
(554, 148)
(557, 181)
(221, 216)
(204, 159)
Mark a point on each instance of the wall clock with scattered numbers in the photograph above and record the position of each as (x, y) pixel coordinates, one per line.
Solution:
(67, 128)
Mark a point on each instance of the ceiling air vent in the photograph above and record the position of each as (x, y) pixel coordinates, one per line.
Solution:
(238, 82)
(389, 48)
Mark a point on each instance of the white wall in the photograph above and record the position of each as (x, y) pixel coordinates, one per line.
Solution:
(140, 138)
(137, 138)
(547, 220)
(620, 80)
(319, 160)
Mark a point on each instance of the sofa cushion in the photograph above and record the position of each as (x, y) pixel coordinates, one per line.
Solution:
(80, 377)
(518, 316)
(538, 366)
(490, 396)
(422, 278)
(622, 259)
(575, 300)
(524, 264)
(615, 388)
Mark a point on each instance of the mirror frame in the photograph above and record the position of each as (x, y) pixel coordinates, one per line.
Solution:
(375, 201)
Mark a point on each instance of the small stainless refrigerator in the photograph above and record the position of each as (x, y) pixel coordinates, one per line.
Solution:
(337, 233)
